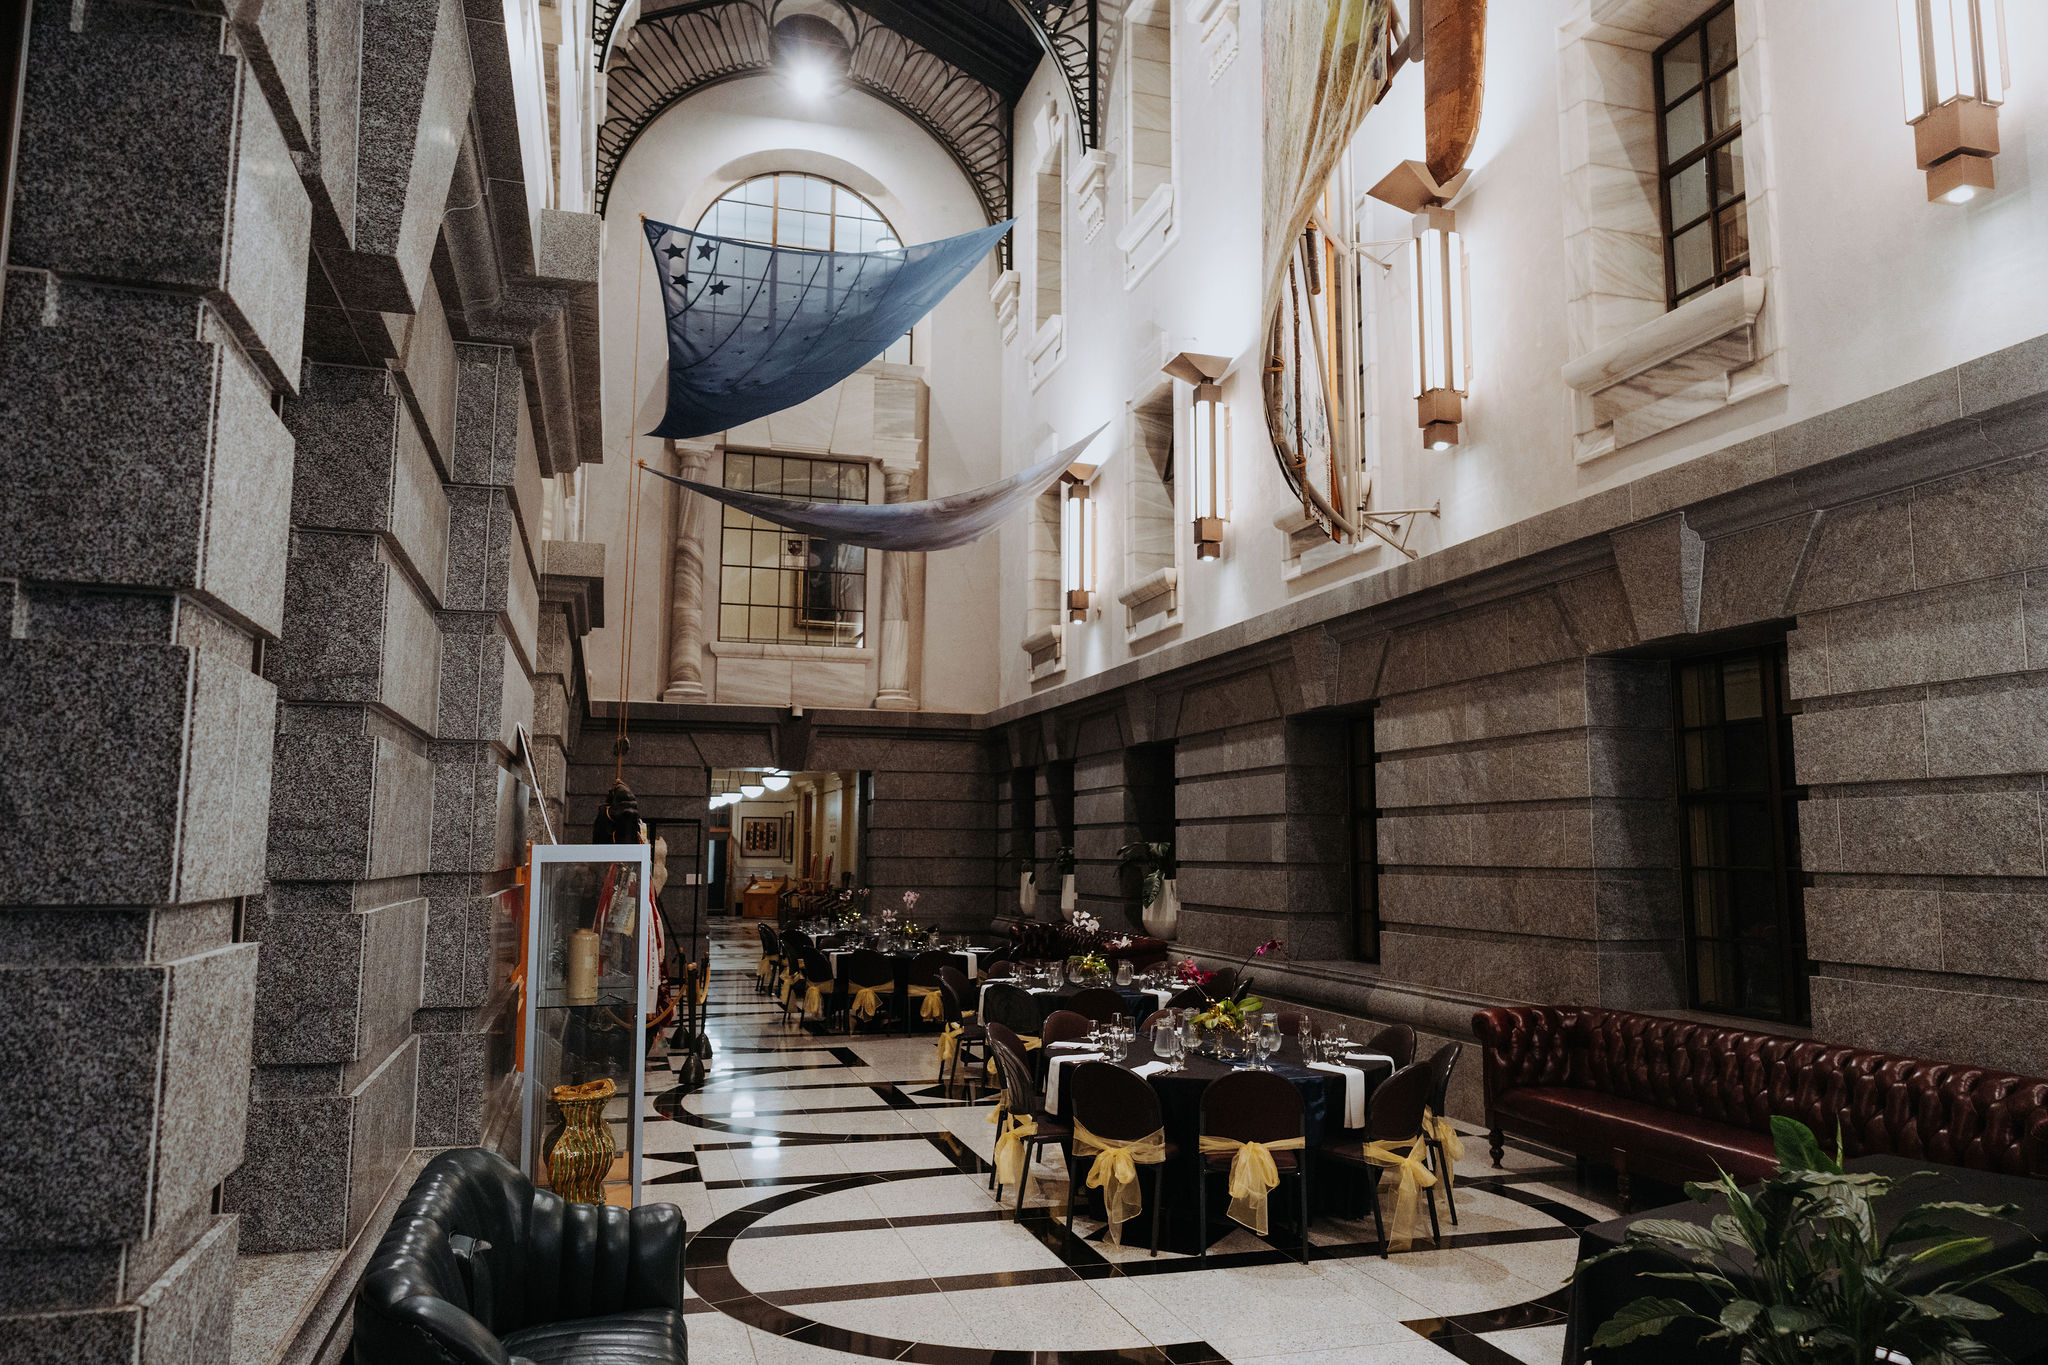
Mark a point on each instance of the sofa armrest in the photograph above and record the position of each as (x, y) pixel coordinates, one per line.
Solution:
(586, 1259)
(1524, 1045)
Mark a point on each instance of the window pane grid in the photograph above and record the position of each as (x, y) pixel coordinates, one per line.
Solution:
(777, 586)
(1699, 153)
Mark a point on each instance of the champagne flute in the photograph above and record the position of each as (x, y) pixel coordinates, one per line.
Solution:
(1268, 1038)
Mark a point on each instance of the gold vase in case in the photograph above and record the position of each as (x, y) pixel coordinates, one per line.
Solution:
(583, 1153)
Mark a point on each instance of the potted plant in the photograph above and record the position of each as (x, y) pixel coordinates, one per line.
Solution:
(1063, 866)
(1027, 884)
(1824, 1286)
(1158, 892)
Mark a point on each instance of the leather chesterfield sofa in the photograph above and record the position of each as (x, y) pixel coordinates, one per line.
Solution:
(1673, 1099)
(1035, 941)
(480, 1268)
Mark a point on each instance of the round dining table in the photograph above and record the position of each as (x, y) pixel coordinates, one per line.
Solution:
(1180, 1107)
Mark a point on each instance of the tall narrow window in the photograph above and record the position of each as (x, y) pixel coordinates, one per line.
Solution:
(1049, 291)
(1699, 156)
(1739, 836)
(1365, 845)
(781, 586)
(1148, 105)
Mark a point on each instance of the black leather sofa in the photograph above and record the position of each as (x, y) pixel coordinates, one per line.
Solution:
(480, 1268)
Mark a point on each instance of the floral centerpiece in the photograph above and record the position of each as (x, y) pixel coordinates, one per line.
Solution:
(1093, 962)
(1224, 1013)
(1086, 922)
(849, 917)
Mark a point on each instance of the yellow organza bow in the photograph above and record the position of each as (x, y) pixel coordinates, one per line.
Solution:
(790, 986)
(1253, 1174)
(766, 971)
(867, 1001)
(1449, 1140)
(814, 999)
(1010, 1149)
(1407, 1158)
(930, 1006)
(1115, 1172)
(949, 1043)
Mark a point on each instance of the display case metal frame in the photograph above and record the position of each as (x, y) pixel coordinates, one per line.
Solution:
(535, 1083)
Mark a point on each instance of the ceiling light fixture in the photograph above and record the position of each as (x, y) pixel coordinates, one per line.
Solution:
(775, 781)
(751, 790)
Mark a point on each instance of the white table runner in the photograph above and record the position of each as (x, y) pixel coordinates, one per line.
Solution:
(1056, 1065)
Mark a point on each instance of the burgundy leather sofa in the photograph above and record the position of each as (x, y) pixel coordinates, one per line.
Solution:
(1034, 940)
(1673, 1099)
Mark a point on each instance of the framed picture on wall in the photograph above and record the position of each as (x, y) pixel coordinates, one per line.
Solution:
(760, 835)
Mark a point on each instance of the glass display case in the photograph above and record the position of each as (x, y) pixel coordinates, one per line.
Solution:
(589, 983)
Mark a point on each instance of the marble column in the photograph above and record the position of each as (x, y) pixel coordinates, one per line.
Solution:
(902, 603)
(686, 585)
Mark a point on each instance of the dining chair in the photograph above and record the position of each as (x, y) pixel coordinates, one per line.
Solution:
(1001, 967)
(1064, 1026)
(953, 994)
(923, 980)
(1021, 1097)
(1098, 1003)
(1396, 1041)
(864, 968)
(1441, 1065)
(1394, 1114)
(1011, 1006)
(1119, 1106)
(1293, 1022)
(1251, 1106)
(770, 972)
(963, 989)
(811, 969)
(1152, 1019)
(1188, 998)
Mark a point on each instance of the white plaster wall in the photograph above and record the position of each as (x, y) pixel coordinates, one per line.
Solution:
(1876, 287)
(683, 161)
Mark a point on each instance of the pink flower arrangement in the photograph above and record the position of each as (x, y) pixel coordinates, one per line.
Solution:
(910, 902)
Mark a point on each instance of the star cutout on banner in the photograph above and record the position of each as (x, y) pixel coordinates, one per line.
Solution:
(672, 251)
(706, 251)
(720, 287)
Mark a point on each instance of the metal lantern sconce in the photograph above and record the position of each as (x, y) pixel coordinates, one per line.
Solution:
(1209, 431)
(1077, 550)
(1442, 355)
(1954, 61)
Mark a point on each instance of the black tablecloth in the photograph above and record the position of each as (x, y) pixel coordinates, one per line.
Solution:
(905, 1008)
(1612, 1285)
(1139, 1005)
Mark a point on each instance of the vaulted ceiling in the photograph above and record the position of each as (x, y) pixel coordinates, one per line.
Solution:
(957, 67)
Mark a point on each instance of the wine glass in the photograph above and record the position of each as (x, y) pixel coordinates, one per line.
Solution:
(1268, 1038)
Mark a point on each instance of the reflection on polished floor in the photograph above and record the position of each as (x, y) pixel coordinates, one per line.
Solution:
(838, 1207)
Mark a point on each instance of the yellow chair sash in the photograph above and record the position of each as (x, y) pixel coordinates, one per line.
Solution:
(1024, 1038)
(814, 999)
(867, 1001)
(766, 971)
(949, 1043)
(1115, 1172)
(1010, 1149)
(930, 1006)
(1450, 1140)
(1407, 1158)
(1253, 1174)
(790, 988)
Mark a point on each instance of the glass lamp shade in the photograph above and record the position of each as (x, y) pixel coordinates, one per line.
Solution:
(751, 790)
(775, 782)
(1078, 550)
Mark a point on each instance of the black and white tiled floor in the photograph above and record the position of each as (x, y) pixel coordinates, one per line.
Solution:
(839, 1210)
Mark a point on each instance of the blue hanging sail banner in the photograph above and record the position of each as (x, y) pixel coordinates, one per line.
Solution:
(934, 524)
(754, 329)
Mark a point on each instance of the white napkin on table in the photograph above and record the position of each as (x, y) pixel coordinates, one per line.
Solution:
(1150, 1069)
(1056, 1064)
(1354, 1091)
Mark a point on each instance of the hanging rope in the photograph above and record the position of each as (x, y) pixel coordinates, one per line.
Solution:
(620, 743)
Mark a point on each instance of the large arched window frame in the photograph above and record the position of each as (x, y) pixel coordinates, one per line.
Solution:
(806, 212)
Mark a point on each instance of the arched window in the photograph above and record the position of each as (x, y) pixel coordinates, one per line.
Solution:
(787, 208)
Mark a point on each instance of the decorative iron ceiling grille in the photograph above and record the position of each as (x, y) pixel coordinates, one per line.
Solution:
(673, 53)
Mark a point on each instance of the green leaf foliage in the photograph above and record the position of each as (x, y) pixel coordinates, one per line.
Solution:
(1643, 1318)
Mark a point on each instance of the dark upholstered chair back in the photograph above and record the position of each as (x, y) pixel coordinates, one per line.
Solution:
(817, 967)
(1441, 1064)
(1394, 1113)
(769, 947)
(1098, 1004)
(1063, 1026)
(796, 940)
(1112, 1102)
(1020, 1096)
(963, 989)
(1252, 1106)
(476, 1251)
(1947, 1112)
(1001, 967)
(866, 967)
(925, 968)
(1187, 998)
(1011, 1006)
(1292, 1023)
(1396, 1041)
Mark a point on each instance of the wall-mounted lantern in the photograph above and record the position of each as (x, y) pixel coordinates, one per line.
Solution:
(1078, 567)
(1209, 431)
(1443, 354)
(1953, 57)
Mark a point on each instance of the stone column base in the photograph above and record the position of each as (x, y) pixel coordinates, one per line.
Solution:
(893, 699)
(686, 692)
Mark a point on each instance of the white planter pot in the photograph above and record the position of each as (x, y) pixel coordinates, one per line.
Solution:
(1027, 894)
(1067, 900)
(1162, 916)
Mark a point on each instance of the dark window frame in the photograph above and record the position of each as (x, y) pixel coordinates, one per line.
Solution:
(1361, 814)
(829, 592)
(1782, 795)
(1726, 267)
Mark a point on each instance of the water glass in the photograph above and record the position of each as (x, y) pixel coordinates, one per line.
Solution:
(1268, 1038)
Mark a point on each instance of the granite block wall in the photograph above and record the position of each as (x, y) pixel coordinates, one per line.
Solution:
(142, 555)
